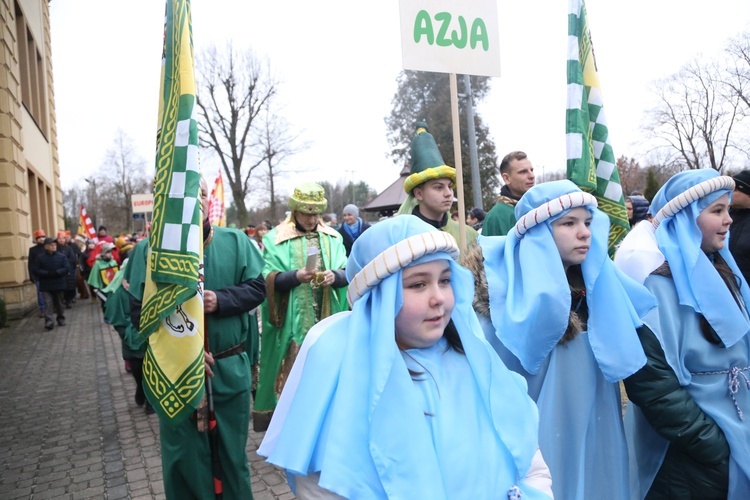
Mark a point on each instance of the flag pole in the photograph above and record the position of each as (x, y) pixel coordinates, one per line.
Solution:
(457, 160)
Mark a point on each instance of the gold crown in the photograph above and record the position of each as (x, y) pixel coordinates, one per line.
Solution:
(309, 198)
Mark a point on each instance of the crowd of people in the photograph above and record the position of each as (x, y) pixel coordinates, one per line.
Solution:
(387, 363)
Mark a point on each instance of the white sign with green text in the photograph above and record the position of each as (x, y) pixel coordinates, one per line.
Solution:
(451, 36)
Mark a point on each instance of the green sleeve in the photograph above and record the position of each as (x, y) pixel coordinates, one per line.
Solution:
(499, 221)
(670, 409)
(135, 272)
(276, 258)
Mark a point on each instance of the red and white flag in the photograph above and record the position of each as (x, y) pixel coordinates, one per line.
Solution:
(85, 226)
(216, 214)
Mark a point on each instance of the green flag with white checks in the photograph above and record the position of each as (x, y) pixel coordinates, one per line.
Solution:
(591, 162)
(172, 315)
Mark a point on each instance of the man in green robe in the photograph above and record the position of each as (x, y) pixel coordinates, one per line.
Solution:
(298, 297)
(430, 186)
(233, 286)
(117, 311)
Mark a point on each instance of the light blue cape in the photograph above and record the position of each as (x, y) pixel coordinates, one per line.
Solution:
(353, 415)
(530, 297)
(698, 284)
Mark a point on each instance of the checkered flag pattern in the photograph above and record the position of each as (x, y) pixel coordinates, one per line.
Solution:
(591, 162)
(172, 316)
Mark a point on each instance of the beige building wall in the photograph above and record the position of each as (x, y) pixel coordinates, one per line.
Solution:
(30, 192)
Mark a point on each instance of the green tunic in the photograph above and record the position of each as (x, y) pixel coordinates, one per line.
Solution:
(229, 260)
(285, 249)
(499, 220)
(117, 311)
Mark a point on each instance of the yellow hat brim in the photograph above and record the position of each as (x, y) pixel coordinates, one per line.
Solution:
(417, 178)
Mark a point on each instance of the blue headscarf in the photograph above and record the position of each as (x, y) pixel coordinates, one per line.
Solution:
(698, 284)
(353, 415)
(530, 295)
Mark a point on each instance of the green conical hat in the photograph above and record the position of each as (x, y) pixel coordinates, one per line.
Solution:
(426, 161)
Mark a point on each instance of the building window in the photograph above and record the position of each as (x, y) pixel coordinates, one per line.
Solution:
(41, 203)
(31, 64)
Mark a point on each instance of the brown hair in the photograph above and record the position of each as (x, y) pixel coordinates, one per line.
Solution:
(454, 342)
(579, 311)
(513, 155)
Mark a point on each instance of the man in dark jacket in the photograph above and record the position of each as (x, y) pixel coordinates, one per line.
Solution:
(34, 252)
(52, 268)
(739, 241)
(65, 249)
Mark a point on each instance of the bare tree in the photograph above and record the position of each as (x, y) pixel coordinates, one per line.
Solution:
(72, 200)
(234, 89)
(109, 191)
(632, 176)
(738, 81)
(278, 142)
(124, 170)
(738, 69)
(695, 117)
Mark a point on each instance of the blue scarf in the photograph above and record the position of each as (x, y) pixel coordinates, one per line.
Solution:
(353, 230)
(530, 296)
(698, 284)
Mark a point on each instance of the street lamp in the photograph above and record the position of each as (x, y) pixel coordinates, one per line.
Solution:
(472, 138)
(92, 186)
(351, 185)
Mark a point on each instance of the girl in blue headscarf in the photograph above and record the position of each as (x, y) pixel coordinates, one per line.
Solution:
(401, 398)
(689, 428)
(565, 317)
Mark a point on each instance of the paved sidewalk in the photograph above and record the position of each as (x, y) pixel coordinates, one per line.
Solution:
(68, 425)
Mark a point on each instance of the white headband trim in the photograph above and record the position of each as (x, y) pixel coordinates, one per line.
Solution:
(399, 256)
(690, 195)
(552, 208)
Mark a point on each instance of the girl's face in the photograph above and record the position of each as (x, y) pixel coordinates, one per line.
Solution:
(572, 236)
(261, 231)
(714, 221)
(629, 208)
(428, 303)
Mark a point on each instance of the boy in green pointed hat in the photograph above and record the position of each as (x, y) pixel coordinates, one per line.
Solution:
(430, 186)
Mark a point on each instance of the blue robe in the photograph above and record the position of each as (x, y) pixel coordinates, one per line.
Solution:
(580, 425)
(692, 358)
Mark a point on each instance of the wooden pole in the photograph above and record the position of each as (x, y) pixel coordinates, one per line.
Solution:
(459, 169)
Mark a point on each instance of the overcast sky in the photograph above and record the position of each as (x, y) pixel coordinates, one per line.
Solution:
(338, 62)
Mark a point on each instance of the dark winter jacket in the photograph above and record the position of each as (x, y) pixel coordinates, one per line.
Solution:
(72, 258)
(697, 461)
(34, 252)
(640, 209)
(739, 240)
(348, 240)
(52, 270)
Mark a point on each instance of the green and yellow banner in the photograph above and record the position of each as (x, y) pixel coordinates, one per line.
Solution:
(172, 315)
(591, 162)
